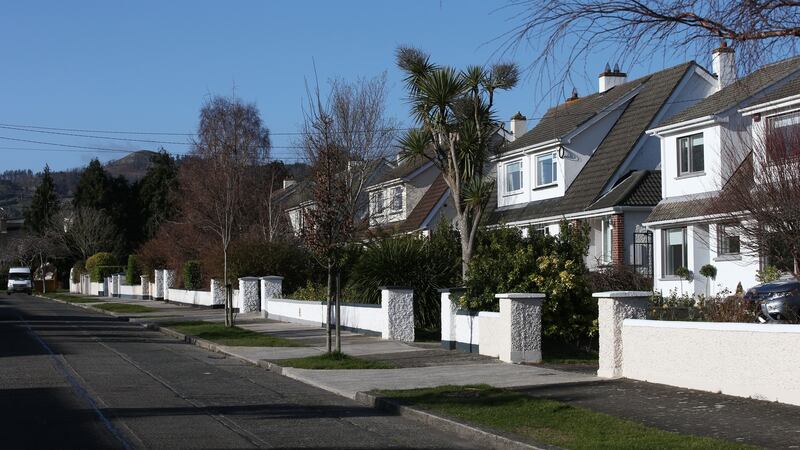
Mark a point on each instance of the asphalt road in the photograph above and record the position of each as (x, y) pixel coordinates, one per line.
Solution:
(70, 378)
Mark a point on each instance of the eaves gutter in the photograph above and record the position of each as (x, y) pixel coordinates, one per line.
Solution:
(793, 100)
(680, 126)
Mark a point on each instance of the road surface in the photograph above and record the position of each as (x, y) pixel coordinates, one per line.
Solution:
(71, 378)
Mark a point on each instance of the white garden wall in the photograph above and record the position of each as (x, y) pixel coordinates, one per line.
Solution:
(747, 360)
(198, 298)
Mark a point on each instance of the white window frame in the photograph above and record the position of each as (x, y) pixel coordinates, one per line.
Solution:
(606, 245)
(377, 202)
(507, 178)
(396, 206)
(665, 251)
(723, 248)
(554, 166)
(690, 169)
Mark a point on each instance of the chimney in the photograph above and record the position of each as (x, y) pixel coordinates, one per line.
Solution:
(574, 95)
(723, 62)
(287, 182)
(610, 78)
(518, 125)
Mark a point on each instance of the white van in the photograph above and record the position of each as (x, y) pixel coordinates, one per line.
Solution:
(19, 280)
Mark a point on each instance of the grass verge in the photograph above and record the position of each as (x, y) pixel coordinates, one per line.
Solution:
(71, 298)
(547, 421)
(334, 360)
(125, 308)
(234, 336)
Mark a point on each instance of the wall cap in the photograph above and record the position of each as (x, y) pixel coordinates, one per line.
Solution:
(394, 288)
(622, 294)
(453, 290)
(248, 279)
(520, 295)
(272, 278)
(716, 326)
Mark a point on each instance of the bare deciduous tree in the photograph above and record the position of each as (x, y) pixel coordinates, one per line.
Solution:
(88, 231)
(231, 140)
(345, 139)
(566, 31)
(764, 202)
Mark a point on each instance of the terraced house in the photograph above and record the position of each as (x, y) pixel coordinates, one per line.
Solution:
(589, 159)
(708, 150)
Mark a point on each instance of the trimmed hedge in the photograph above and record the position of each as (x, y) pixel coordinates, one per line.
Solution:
(192, 276)
(101, 265)
(79, 268)
(132, 271)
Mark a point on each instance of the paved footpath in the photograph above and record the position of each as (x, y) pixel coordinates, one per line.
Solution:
(71, 378)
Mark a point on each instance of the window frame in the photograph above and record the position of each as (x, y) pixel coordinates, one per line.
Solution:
(690, 169)
(554, 167)
(723, 246)
(377, 202)
(769, 128)
(665, 251)
(397, 192)
(507, 177)
(606, 239)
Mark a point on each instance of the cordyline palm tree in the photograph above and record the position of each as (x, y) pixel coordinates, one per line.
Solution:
(455, 128)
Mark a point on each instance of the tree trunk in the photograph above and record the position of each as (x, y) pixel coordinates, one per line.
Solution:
(328, 342)
(41, 269)
(228, 287)
(466, 245)
(338, 312)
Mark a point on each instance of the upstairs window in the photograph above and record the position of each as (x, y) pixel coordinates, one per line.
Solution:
(377, 202)
(514, 176)
(674, 250)
(690, 155)
(397, 199)
(546, 169)
(728, 241)
(783, 136)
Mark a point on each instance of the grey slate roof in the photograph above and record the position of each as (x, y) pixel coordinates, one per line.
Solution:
(788, 89)
(560, 120)
(637, 117)
(640, 188)
(737, 92)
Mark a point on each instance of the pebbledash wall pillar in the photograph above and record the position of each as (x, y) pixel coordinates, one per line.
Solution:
(217, 292)
(145, 280)
(521, 327)
(613, 308)
(450, 306)
(117, 283)
(169, 282)
(248, 294)
(271, 287)
(158, 284)
(397, 307)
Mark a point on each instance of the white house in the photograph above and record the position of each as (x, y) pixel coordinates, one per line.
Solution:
(589, 159)
(704, 149)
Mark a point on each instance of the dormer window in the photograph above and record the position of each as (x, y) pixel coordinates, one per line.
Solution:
(514, 176)
(546, 170)
(397, 199)
(377, 202)
(690, 155)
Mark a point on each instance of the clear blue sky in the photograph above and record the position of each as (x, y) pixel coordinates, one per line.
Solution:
(148, 66)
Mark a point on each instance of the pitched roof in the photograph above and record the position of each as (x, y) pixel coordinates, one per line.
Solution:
(560, 120)
(402, 170)
(639, 188)
(788, 89)
(637, 117)
(737, 91)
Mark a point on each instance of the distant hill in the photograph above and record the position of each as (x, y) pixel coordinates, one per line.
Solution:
(132, 166)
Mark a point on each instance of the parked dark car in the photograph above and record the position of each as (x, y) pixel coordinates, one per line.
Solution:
(778, 301)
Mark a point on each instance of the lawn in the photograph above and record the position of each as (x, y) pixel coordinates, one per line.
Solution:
(71, 298)
(234, 336)
(547, 421)
(334, 360)
(125, 308)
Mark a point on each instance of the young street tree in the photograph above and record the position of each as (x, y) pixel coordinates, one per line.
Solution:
(345, 141)
(231, 140)
(88, 231)
(456, 124)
